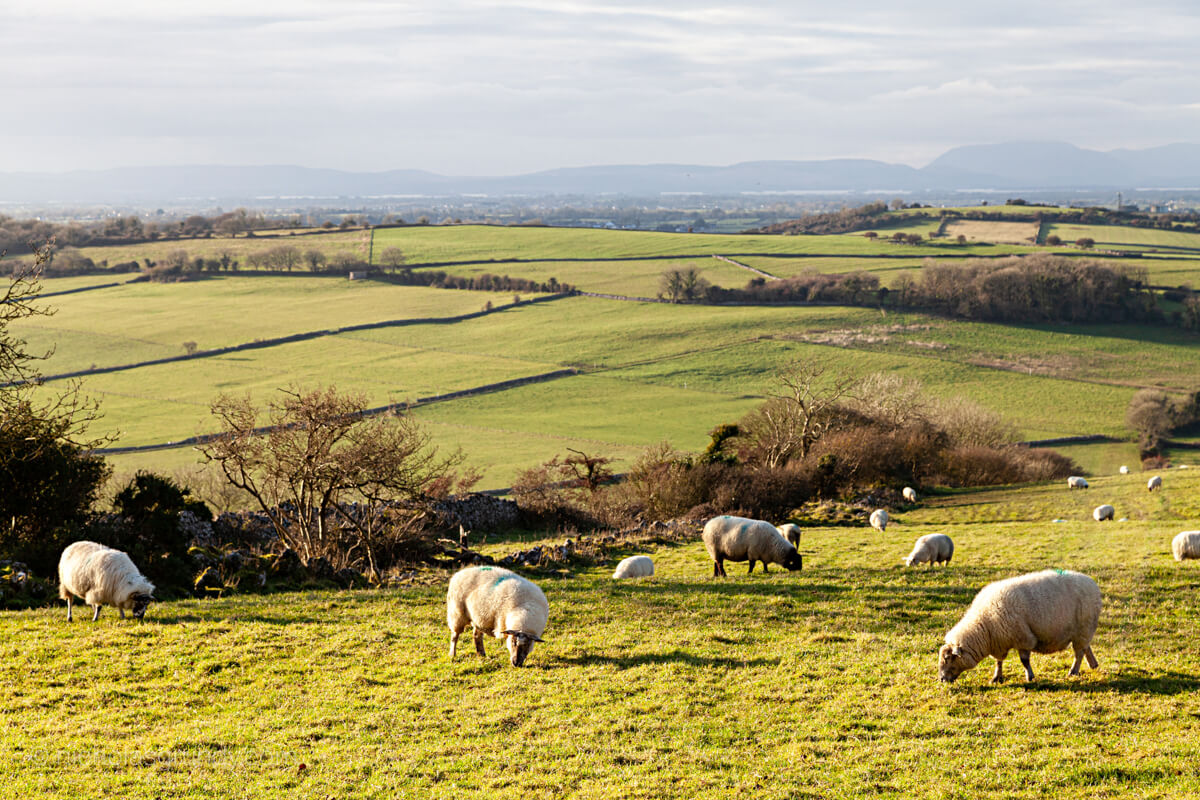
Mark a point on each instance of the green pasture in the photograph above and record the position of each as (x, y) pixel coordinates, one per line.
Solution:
(817, 684)
(144, 321)
(1128, 237)
(887, 269)
(356, 243)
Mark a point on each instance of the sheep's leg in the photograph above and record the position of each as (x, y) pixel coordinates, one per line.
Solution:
(69, 618)
(998, 675)
(121, 611)
(1080, 652)
(718, 568)
(1024, 654)
(479, 641)
(1091, 657)
(96, 614)
(454, 643)
(765, 568)
(752, 566)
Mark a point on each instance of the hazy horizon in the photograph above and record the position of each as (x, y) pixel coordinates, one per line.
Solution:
(483, 88)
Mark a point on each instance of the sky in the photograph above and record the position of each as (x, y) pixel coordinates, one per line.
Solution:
(465, 87)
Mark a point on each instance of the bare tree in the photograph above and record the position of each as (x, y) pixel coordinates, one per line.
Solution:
(788, 424)
(392, 257)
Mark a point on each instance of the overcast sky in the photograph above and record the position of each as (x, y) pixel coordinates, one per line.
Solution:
(467, 87)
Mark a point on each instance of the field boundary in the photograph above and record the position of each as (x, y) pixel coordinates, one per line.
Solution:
(486, 388)
(755, 270)
(296, 337)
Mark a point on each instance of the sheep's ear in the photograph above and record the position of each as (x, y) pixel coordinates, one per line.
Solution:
(956, 651)
(534, 638)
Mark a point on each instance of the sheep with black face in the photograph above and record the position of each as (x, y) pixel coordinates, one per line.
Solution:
(500, 602)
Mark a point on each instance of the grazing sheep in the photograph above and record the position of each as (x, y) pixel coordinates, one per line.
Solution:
(635, 567)
(500, 602)
(741, 539)
(935, 548)
(102, 576)
(1154, 483)
(1186, 545)
(1041, 612)
(909, 494)
(791, 532)
(1124, 470)
(879, 520)
(1076, 482)
(1104, 512)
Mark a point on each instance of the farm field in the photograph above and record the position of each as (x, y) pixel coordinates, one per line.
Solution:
(1000, 232)
(356, 242)
(819, 683)
(1129, 237)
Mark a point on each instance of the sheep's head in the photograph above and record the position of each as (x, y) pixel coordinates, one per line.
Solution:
(794, 561)
(140, 602)
(519, 645)
(952, 662)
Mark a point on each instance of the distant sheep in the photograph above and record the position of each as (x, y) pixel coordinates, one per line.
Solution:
(1041, 612)
(1186, 545)
(1124, 470)
(909, 494)
(791, 532)
(934, 548)
(879, 520)
(1076, 482)
(1154, 483)
(500, 602)
(1104, 512)
(102, 576)
(635, 567)
(741, 539)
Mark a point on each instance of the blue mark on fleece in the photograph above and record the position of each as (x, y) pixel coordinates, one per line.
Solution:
(1060, 571)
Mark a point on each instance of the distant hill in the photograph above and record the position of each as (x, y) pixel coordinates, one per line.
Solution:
(1009, 166)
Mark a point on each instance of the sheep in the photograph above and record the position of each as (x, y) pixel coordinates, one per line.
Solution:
(1104, 512)
(1154, 483)
(741, 539)
(909, 494)
(1076, 482)
(497, 601)
(1041, 612)
(1124, 470)
(934, 548)
(1186, 545)
(634, 567)
(102, 576)
(879, 520)
(791, 532)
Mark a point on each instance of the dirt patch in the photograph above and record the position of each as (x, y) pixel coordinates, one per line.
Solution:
(1059, 366)
(874, 335)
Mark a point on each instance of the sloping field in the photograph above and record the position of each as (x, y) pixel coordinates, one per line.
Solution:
(1129, 237)
(999, 232)
(662, 687)
(356, 243)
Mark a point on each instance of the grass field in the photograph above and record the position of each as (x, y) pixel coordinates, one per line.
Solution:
(813, 684)
(1128, 237)
(999, 232)
(356, 243)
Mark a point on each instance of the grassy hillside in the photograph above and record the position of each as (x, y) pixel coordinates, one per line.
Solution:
(812, 684)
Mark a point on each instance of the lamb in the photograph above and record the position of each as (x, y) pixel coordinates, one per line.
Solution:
(935, 548)
(1041, 612)
(909, 494)
(1124, 470)
(1186, 545)
(102, 576)
(1076, 482)
(741, 539)
(1154, 483)
(635, 567)
(497, 601)
(791, 532)
(1104, 512)
(879, 520)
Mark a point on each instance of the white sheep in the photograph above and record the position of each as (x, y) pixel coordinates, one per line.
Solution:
(1041, 612)
(497, 601)
(102, 576)
(1124, 470)
(1186, 545)
(741, 539)
(1104, 512)
(791, 532)
(934, 548)
(879, 520)
(635, 567)
(1076, 482)
(909, 494)
(1154, 483)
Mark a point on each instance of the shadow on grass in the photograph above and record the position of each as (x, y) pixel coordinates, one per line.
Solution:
(1167, 684)
(672, 657)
